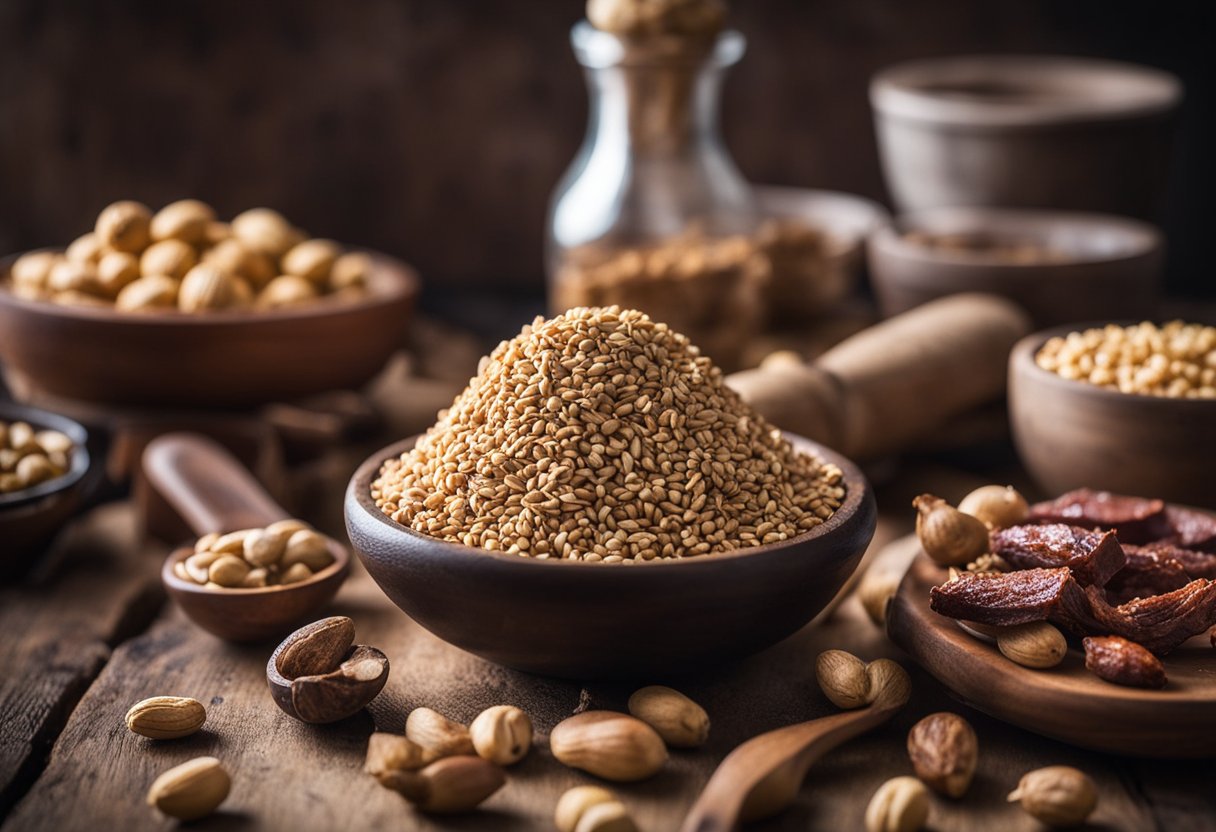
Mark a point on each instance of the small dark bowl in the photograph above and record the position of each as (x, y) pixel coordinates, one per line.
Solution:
(1103, 267)
(30, 518)
(255, 614)
(215, 360)
(1071, 434)
(594, 620)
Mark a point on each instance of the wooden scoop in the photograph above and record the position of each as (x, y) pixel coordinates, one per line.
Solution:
(761, 777)
(885, 387)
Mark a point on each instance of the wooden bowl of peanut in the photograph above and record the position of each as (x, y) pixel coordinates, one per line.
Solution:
(1128, 408)
(175, 308)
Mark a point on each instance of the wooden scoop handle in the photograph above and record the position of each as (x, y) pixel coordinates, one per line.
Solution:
(763, 775)
(888, 385)
(206, 485)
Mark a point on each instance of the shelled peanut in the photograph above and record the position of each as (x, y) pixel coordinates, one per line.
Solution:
(29, 456)
(183, 258)
(285, 552)
(442, 766)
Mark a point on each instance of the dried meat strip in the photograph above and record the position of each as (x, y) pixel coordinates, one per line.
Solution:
(1160, 623)
(1134, 519)
(1191, 529)
(1196, 564)
(1147, 572)
(1005, 599)
(1092, 556)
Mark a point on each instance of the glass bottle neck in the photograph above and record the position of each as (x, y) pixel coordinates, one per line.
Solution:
(656, 95)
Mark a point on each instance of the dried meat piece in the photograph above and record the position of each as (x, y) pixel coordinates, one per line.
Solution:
(1197, 564)
(1133, 519)
(1092, 556)
(1190, 529)
(1148, 572)
(1123, 662)
(1003, 600)
(1161, 622)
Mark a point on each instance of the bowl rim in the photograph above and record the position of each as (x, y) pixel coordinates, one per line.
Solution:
(1022, 363)
(905, 90)
(1144, 239)
(339, 569)
(46, 420)
(358, 493)
(397, 282)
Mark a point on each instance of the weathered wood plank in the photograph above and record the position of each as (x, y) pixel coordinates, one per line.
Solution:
(58, 633)
(291, 776)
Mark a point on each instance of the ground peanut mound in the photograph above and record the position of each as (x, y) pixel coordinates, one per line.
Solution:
(601, 435)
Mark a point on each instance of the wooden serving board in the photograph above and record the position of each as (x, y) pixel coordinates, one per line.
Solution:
(1066, 702)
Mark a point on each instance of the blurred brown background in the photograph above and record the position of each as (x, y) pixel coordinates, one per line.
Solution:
(436, 129)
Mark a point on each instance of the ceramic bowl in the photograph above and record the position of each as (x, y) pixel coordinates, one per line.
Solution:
(216, 360)
(590, 621)
(1025, 131)
(1070, 266)
(1071, 434)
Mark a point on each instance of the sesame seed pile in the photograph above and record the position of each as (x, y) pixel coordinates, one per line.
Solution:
(601, 435)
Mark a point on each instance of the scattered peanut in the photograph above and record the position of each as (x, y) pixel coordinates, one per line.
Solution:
(450, 785)
(166, 717)
(575, 803)
(394, 752)
(1037, 644)
(944, 753)
(501, 734)
(851, 683)
(610, 745)
(438, 734)
(192, 790)
(900, 805)
(681, 722)
(1058, 796)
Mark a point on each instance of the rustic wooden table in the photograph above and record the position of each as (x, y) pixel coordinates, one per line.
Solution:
(95, 635)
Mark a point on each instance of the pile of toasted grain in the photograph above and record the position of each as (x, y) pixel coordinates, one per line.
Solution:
(601, 435)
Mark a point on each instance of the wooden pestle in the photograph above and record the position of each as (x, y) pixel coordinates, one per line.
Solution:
(883, 388)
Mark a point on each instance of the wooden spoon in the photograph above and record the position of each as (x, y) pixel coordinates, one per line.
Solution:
(761, 777)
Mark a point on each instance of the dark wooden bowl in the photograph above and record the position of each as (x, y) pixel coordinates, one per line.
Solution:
(216, 360)
(589, 620)
(30, 518)
(1067, 702)
(1109, 267)
(1070, 434)
(215, 493)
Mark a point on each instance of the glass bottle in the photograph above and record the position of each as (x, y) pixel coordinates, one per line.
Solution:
(653, 214)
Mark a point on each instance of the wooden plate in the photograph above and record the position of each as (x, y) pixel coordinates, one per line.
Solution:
(1067, 702)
